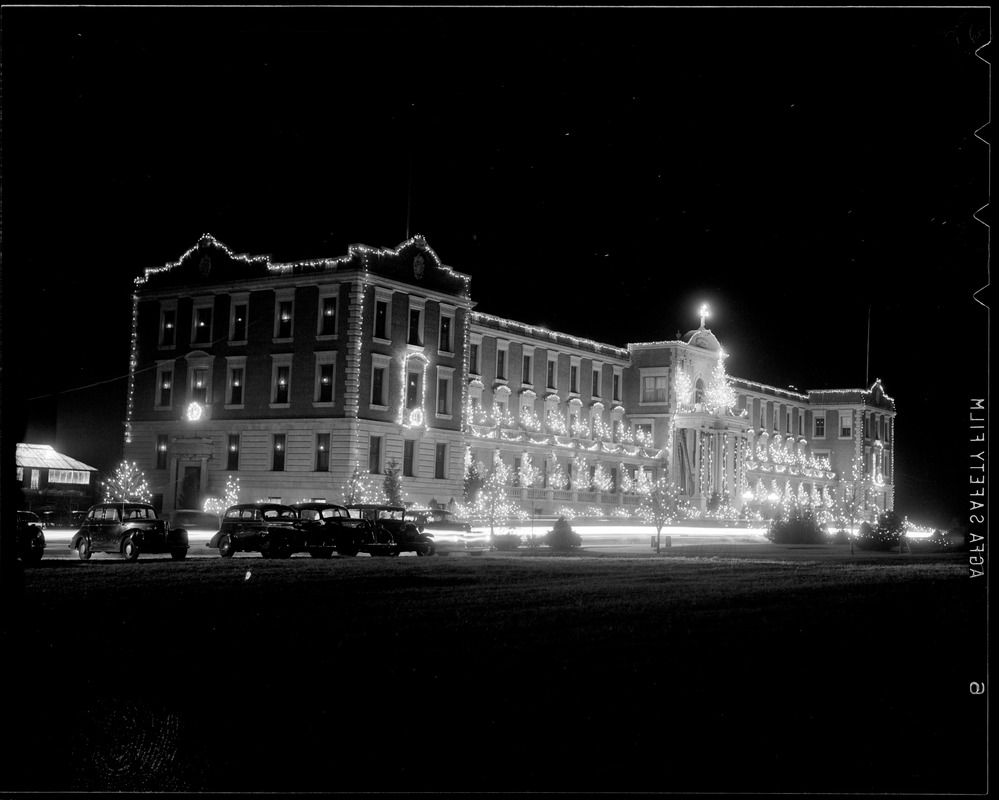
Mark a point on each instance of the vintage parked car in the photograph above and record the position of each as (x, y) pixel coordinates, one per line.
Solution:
(451, 535)
(200, 525)
(129, 529)
(30, 537)
(389, 533)
(329, 529)
(271, 529)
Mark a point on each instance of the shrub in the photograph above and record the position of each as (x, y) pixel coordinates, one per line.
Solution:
(884, 536)
(799, 527)
(841, 537)
(505, 541)
(562, 536)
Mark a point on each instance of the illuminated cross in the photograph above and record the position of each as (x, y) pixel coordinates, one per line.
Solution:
(704, 313)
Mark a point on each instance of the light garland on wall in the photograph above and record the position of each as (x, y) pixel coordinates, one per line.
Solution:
(488, 320)
(417, 416)
(132, 365)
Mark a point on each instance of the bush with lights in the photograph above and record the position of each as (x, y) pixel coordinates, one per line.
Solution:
(392, 484)
(886, 534)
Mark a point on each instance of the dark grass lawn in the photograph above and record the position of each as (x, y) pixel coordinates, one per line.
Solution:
(770, 669)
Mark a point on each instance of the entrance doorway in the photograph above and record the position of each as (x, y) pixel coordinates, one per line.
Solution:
(189, 487)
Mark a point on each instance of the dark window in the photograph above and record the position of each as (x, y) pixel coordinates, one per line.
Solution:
(378, 386)
(375, 455)
(820, 427)
(322, 452)
(232, 454)
(169, 333)
(526, 377)
(239, 323)
(284, 320)
(408, 453)
(161, 451)
(440, 462)
(325, 383)
(236, 386)
(595, 389)
(412, 390)
(473, 359)
(501, 364)
(415, 332)
(278, 452)
(281, 389)
(329, 317)
(617, 387)
(381, 318)
(166, 381)
(203, 324)
(551, 374)
(443, 396)
(445, 334)
(573, 375)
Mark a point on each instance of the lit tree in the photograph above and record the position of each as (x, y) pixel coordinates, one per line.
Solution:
(392, 484)
(474, 478)
(214, 505)
(360, 490)
(719, 396)
(557, 478)
(127, 485)
(492, 507)
(528, 473)
(580, 478)
(601, 479)
(661, 504)
(684, 388)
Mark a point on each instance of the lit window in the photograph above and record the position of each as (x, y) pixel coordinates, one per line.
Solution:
(168, 327)
(161, 451)
(820, 425)
(278, 452)
(237, 322)
(199, 385)
(412, 390)
(164, 387)
(325, 391)
(202, 333)
(327, 315)
(232, 452)
(322, 452)
(235, 387)
(282, 384)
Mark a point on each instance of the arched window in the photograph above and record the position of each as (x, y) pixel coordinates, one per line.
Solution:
(699, 391)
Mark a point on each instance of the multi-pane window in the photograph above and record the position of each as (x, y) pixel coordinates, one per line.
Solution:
(375, 455)
(526, 378)
(325, 389)
(440, 461)
(168, 327)
(654, 388)
(199, 385)
(617, 386)
(378, 386)
(551, 374)
(409, 458)
(381, 319)
(322, 452)
(501, 364)
(282, 327)
(473, 358)
(820, 425)
(235, 386)
(161, 451)
(845, 424)
(278, 452)
(237, 330)
(202, 332)
(164, 385)
(574, 379)
(446, 345)
(327, 315)
(232, 452)
(282, 383)
(443, 395)
(595, 387)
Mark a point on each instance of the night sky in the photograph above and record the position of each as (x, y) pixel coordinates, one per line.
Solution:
(601, 172)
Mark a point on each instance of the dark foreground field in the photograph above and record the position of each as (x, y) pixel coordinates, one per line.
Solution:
(794, 671)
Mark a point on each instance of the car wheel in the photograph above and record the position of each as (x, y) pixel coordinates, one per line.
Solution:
(178, 553)
(227, 547)
(130, 549)
(426, 549)
(83, 549)
(267, 549)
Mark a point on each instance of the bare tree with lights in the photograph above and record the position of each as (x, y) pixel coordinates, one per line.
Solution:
(392, 484)
(661, 504)
(127, 485)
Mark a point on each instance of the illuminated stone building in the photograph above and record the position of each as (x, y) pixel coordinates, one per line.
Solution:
(291, 376)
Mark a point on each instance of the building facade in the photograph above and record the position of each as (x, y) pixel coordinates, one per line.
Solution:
(291, 377)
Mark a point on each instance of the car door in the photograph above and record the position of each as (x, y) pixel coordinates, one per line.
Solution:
(103, 533)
